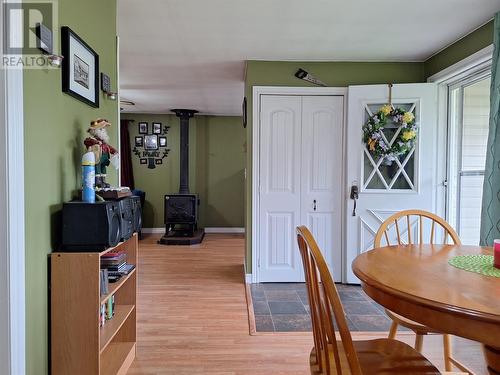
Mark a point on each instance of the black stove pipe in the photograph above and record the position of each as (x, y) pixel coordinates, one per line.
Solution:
(184, 116)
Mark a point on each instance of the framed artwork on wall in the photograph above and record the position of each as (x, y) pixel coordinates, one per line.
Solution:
(158, 161)
(151, 142)
(80, 68)
(156, 127)
(163, 141)
(139, 141)
(143, 128)
(143, 161)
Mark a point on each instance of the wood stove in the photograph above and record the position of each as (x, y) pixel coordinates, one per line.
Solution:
(181, 210)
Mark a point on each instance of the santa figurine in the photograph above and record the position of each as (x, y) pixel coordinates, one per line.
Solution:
(104, 153)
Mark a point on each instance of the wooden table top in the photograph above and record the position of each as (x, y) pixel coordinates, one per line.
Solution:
(421, 275)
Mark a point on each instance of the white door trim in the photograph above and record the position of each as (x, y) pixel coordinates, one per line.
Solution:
(284, 90)
(462, 67)
(119, 125)
(12, 257)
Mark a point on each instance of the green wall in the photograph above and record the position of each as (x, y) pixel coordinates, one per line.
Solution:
(336, 74)
(55, 125)
(216, 166)
(475, 41)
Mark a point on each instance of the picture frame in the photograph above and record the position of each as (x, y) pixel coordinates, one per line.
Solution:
(156, 127)
(151, 142)
(162, 141)
(158, 161)
(143, 128)
(143, 161)
(80, 68)
(139, 141)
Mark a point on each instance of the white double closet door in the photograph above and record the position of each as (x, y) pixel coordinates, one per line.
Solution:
(300, 182)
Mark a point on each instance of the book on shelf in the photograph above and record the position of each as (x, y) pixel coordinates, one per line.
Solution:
(107, 311)
(102, 316)
(104, 282)
(114, 260)
(125, 270)
(113, 254)
(115, 268)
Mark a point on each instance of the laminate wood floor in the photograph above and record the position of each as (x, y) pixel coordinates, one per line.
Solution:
(192, 317)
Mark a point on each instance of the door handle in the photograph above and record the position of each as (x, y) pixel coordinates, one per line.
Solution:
(354, 196)
(314, 205)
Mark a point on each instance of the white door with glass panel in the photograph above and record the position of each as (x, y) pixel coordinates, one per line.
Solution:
(388, 185)
(299, 182)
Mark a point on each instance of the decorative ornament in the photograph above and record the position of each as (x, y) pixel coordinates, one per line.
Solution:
(406, 133)
(104, 153)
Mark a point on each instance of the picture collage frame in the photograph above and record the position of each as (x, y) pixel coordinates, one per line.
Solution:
(151, 145)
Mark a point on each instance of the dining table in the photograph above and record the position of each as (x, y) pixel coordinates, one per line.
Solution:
(419, 283)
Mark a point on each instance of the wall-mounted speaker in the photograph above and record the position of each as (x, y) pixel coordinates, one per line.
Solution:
(90, 226)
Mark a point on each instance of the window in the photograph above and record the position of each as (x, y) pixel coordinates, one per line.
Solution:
(469, 106)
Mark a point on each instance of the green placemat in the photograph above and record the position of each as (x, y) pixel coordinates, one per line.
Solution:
(482, 264)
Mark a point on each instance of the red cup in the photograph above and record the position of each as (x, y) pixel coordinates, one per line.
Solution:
(496, 253)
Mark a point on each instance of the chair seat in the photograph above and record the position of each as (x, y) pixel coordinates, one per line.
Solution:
(410, 324)
(380, 356)
(384, 356)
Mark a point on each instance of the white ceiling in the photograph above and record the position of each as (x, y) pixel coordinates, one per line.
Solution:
(191, 53)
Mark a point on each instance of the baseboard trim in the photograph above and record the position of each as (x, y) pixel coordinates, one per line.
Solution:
(252, 327)
(248, 278)
(207, 230)
(224, 230)
(153, 230)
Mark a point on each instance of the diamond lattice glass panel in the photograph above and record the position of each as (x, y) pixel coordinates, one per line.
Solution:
(380, 173)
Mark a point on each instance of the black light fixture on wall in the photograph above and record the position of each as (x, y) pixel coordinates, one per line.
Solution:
(302, 74)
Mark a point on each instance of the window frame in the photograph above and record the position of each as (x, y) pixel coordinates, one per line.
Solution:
(455, 129)
(468, 67)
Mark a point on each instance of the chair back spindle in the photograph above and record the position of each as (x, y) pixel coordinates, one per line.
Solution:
(419, 225)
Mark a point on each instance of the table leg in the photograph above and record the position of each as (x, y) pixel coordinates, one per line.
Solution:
(492, 356)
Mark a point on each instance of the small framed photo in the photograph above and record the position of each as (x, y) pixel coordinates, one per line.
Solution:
(139, 141)
(151, 142)
(80, 68)
(159, 161)
(143, 128)
(163, 141)
(143, 161)
(156, 127)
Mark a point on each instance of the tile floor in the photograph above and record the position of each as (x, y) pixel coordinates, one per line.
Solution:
(283, 307)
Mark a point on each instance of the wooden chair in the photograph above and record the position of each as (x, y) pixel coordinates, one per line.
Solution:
(329, 356)
(436, 224)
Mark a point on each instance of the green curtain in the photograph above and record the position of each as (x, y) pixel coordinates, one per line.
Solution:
(490, 215)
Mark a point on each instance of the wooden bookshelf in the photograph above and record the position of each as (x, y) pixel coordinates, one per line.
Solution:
(78, 344)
